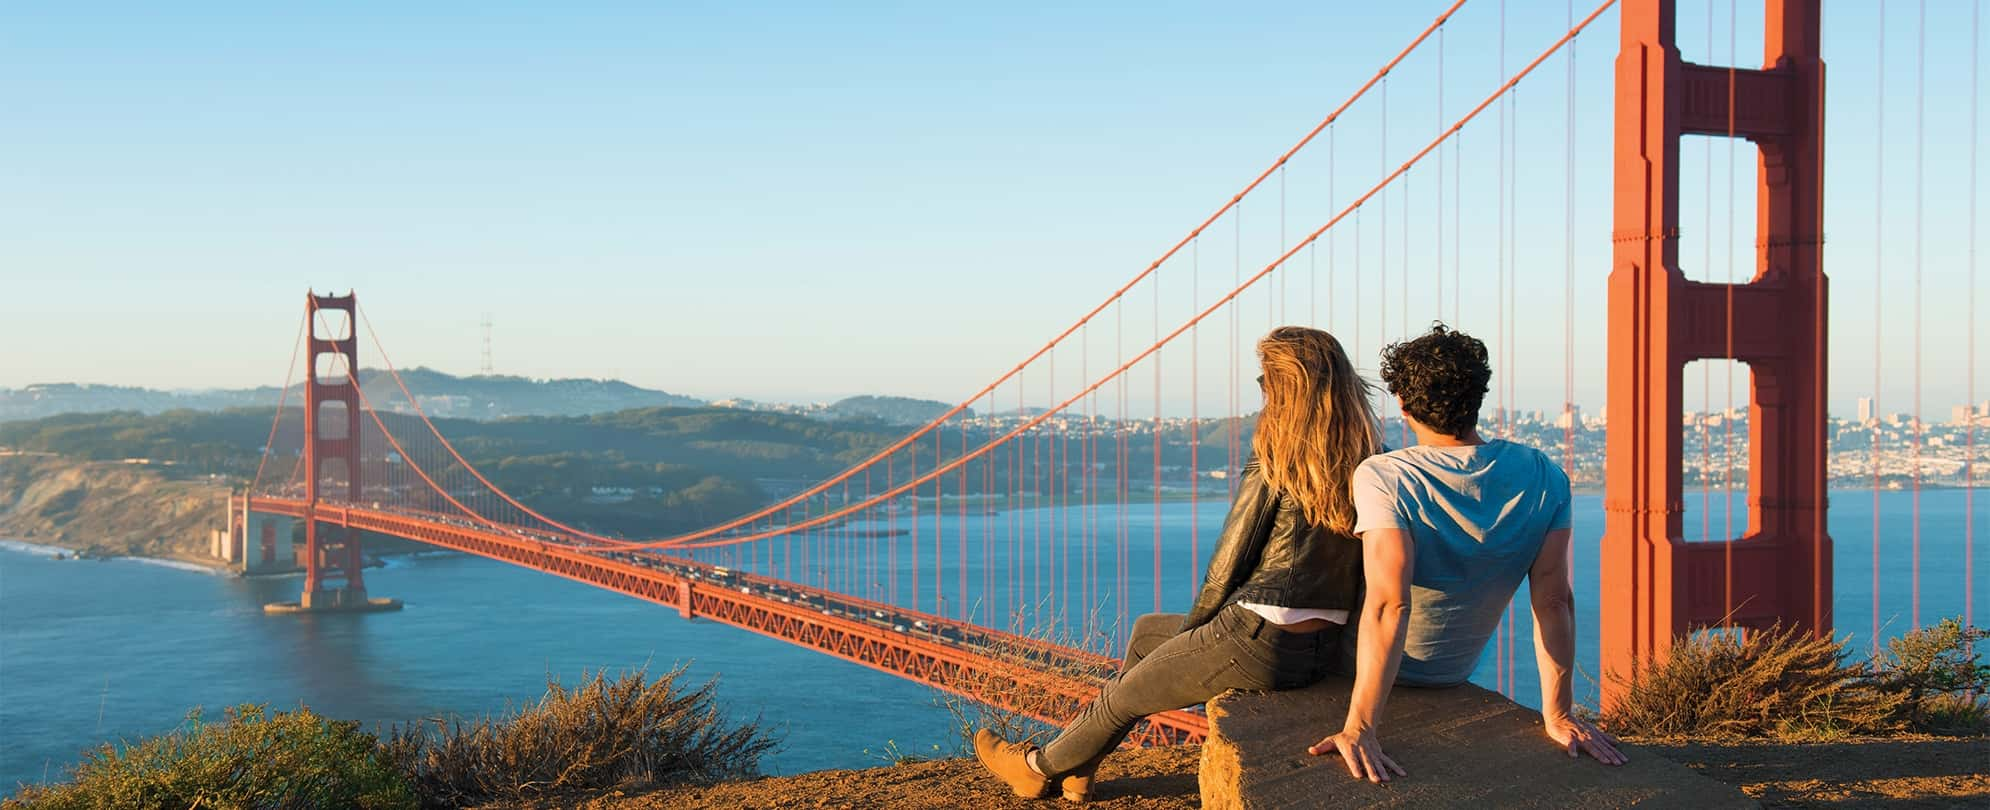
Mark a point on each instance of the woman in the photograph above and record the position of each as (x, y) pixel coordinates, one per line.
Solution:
(1284, 575)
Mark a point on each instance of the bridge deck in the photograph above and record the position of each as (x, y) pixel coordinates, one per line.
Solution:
(965, 659)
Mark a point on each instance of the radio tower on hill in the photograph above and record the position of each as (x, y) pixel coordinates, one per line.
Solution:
(487, 345)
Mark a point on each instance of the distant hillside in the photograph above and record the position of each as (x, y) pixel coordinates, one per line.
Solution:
(890, 410)
(639, 471)
(500, 396)
(478, 397)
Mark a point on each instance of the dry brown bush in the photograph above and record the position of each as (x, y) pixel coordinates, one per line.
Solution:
(1777, 683)
(628, 732)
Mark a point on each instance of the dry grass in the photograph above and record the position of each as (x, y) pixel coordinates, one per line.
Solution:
(1784, 685)
(626, 733)
(1775, 684)
(1013, 705)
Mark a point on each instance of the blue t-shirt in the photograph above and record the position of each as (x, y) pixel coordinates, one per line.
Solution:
(1477, 515)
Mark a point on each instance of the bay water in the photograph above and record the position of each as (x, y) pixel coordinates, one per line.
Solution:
(95, 651)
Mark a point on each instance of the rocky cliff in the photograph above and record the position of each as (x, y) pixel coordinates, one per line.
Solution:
(109, 508)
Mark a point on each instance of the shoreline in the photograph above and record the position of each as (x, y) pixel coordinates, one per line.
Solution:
(28, 545)
(202, 565)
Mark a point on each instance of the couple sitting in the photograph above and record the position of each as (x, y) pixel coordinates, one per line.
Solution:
(1422, 547)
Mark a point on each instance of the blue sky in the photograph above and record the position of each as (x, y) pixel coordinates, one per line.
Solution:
(793, 201)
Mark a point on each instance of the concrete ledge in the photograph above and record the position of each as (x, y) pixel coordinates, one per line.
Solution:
(1463, 747)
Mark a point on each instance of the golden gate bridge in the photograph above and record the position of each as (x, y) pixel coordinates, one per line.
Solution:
(875, 565)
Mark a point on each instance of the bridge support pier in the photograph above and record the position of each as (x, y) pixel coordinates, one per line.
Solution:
(266, 546)
(1655, 587)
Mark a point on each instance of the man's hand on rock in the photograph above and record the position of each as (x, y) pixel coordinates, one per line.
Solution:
(1362, 752)
(1579, 737)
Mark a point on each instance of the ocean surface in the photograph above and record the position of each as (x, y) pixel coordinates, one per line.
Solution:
(99, 651)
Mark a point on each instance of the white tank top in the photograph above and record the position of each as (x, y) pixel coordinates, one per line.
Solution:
(1285, 615)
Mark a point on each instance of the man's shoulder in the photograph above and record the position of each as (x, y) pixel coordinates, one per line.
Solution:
(1387, 466)
(1550, 470)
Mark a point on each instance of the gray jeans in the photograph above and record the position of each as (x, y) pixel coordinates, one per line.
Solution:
(1164, 670)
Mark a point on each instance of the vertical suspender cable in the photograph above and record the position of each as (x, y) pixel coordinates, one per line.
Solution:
(1404, 328)
(1707, 369)
(1313, 281)
(960, 544)
(1235, 415)
(1120, 587)
(1440, 179)
(912, 497)
(1035, 522)
(1920, 180)
(1157, 419)
(1195, 421)
(1088, 557)
(1568, 283)
(891, 534)
(1879, 274)
(1458, 228)
(1382, 207)
(1017, 597)
(1056, 516)
(1503, 632)
(1727, 418)
(939, 538)
(1969, 465)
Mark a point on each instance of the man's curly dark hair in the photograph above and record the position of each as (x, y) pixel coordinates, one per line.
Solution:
(1440, 377)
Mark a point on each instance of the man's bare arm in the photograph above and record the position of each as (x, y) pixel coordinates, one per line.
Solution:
(1553, 602)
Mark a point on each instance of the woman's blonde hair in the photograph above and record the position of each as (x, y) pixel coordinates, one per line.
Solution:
(1317, 425)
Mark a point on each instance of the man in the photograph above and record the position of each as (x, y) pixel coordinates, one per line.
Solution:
(1448, 529)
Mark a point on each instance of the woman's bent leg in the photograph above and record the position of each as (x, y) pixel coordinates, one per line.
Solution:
(1149, 632)
(1181, 671)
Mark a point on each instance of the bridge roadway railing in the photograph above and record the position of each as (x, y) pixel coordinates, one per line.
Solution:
(1002, 669)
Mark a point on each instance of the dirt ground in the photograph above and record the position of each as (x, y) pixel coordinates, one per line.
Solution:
(1907, 774)
(1903, 773)
(1162, 778)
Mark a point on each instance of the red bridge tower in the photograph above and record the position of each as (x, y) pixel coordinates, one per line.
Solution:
(1655, 587)
(332, 560)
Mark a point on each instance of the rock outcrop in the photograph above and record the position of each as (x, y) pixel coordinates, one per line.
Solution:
(1462, 747)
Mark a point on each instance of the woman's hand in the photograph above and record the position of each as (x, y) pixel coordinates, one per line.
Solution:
(1580, 737)
(1362, 752)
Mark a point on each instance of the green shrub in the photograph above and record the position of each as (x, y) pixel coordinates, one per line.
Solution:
(628, 733)
(1942, 676)
(252, 759)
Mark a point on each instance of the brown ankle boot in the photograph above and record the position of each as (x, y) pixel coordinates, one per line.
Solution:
(1077, 785)
(1010, 763)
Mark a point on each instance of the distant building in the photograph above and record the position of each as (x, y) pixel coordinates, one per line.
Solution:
(1570, 418)
(1865, 409)
(1961, 415)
